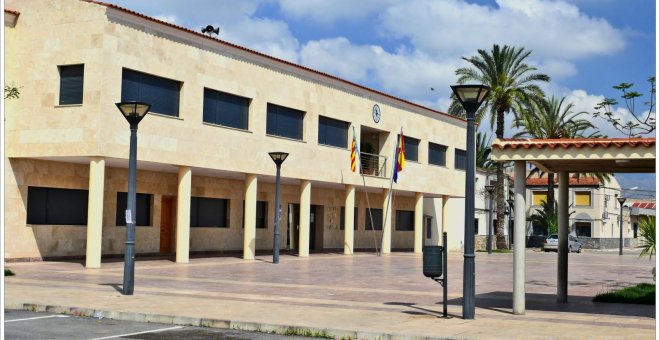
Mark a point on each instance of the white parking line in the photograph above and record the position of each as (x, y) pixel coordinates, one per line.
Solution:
(38, 317)
(128, 334)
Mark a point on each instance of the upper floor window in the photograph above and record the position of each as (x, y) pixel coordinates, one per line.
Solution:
(284, 122)
(437, 154)
(71, 84)
(410, 146)
(460, 159)
(209, 212)
(583, 198)
(142, 206)
(405, 220)
(161, 93)
(539, 197)
(226, 109)
(57, 206)
(333, 132)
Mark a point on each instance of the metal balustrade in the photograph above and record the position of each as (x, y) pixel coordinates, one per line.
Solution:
(373, 165)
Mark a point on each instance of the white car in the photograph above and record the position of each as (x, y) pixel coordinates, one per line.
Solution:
(553, 240)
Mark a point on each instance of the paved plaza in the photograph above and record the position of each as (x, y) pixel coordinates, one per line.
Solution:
(359, 296)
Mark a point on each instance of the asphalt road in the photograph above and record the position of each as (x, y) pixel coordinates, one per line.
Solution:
(30, 325)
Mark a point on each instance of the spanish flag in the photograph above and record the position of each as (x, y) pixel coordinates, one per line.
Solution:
(400, 157)
(353, 154)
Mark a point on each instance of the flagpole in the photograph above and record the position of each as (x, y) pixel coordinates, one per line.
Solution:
(366, 193)
(394, 169)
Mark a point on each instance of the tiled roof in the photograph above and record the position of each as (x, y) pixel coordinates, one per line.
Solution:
(16, 13)
(573, 143)
(582, 181)
(200, 35)
(644, 205)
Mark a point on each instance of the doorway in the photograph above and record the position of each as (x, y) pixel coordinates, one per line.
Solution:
(293, 227)
(166, 225)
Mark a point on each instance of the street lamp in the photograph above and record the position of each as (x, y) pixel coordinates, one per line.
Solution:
(133, 112)
(621, 201)
(509, 201)
(278, 158)
(490, 188)
(470, 97)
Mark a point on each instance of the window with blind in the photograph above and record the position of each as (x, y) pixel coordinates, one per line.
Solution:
(142, 207)
(411, 147)
(437, 154)
(583, 229)
(225, 109)
(460, 159)
(161, 93)
(405, 220)
(56, 206)
(377, 215)
(342, 218)
(284, 122)
(583, 198)
(209, 212)
(71, 84)
(333, 132)
(538, 197)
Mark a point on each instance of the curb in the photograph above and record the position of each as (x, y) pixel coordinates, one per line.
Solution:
(217, 323)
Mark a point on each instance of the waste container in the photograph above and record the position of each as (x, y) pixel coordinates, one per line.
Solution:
(432, 256)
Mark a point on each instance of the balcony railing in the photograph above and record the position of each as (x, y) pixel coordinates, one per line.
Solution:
(373, 165)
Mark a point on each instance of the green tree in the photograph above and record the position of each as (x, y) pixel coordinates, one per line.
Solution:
(547, 217)
(646, 228)
(483, 150)
(641, 123)
(513, 86)
(552, 119)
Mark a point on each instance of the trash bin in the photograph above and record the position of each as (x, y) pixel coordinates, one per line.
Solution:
(432, 256)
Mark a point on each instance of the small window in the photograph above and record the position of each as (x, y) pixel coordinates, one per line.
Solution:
(377, 215)
(209, 212)
(476, 226)
(583, 229)
(71, 84)
(583, 198)
(54, 206)
(538, 197)
(284, 122)
(333, 132)
(161, 93)
(460, 159)
(226, 109)
(410, 146)
(142, 205)
(437, 154)
(342, 218)
(405, 220)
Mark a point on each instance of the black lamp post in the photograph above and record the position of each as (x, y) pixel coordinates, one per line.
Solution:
(621, 201)
(510, 203)
(470, 97)
(490, 188)
(278, 158)
(133, 112)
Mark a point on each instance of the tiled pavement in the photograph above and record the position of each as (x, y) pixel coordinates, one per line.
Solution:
(358, 296)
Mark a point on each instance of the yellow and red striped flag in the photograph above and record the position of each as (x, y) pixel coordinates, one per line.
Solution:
(353, 154)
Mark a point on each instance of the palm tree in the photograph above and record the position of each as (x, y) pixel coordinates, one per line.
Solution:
(513, 85)
(483, 152)
(647, 234)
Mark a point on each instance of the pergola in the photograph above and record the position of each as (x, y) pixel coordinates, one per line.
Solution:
(564, 156)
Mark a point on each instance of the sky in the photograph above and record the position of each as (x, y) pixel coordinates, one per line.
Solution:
(411, 48)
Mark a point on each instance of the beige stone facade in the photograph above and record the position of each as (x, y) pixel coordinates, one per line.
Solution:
(55, 146)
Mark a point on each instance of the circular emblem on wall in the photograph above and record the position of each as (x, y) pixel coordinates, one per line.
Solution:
(375, 113)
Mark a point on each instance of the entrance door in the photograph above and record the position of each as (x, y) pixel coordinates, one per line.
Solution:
(312, 227)
(166, 225)
(293, 225)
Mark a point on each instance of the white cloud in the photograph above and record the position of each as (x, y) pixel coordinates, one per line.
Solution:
(326, 12)
(172, 19)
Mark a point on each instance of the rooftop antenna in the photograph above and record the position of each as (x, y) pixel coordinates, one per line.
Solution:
(210, 30)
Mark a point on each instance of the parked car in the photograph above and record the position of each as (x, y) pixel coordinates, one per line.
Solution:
(553, 240)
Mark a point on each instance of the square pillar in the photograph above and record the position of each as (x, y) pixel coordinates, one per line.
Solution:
(305, 204)
(562, 233)
(419, 222)
(349, 206)
(95, 213)
(387, 222)
(183, 215)
(519, 239)
(250, 218)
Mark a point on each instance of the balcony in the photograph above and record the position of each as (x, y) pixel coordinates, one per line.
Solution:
(373, 165)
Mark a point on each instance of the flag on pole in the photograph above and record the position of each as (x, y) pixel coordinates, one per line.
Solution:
(353, 153)
(400, 157)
